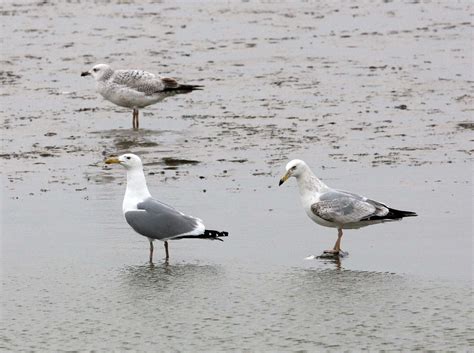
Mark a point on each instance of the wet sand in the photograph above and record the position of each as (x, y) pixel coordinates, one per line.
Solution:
(376, 98)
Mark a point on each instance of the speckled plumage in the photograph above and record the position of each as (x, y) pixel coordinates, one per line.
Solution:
(135, 89)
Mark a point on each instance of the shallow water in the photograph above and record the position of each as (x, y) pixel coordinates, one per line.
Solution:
(195, 306)
(323, 83)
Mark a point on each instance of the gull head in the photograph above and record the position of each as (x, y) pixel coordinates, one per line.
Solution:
(99, 72)
(128, 160)
(294, 168)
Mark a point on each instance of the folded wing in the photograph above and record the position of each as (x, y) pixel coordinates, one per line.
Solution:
(150, 84)
(342, 207)
(157, 220)
(138, 80)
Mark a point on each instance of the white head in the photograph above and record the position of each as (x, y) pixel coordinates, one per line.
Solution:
(99, 72)
(128, 160)
(294, 168)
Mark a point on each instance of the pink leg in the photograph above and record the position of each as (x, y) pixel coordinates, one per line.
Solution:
(337, 247)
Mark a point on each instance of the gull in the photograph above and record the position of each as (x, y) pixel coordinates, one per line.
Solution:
(336, 208)
(135, 89)
(152, 218)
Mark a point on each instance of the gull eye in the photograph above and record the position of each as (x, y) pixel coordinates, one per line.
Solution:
(128, 157)
(95, 69)
(293, 168)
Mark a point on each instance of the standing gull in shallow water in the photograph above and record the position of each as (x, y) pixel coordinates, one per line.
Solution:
(152, 218)
(335, 208)
(135, 89)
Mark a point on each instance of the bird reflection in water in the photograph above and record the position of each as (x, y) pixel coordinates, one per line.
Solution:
(169, 278)
(327, 258)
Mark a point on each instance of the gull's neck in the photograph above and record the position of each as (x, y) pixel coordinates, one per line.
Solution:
(106, 75)
(309, 184)
(136, 191)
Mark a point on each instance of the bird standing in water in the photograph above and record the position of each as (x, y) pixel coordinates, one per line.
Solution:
(152, 218)
(135, 89)
(335, 208)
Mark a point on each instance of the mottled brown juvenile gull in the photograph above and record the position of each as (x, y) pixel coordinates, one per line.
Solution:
(335, 208)
(135, 89)
(152, 218)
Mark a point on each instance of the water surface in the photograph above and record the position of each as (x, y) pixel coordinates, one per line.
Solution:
(377, 98)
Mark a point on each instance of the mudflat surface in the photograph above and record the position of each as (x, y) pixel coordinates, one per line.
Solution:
(377, 98)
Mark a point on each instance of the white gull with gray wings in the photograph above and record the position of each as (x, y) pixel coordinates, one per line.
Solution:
(336, 208)
(152, 218)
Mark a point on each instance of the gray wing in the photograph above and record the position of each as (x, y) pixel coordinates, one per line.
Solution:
(157, 220)
(343, 207)
(142, 81)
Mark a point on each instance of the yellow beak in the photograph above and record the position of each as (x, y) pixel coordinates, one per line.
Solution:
(284, 178)
(112, 160)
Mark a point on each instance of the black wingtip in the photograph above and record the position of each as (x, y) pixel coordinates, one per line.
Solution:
(215, 234)
(208, 234)
(401, 213)
(392, 214)
(190, 87)
(183, 89)
(410, 214)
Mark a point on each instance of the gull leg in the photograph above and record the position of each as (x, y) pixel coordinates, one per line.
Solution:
(151, 251)
(337, 247)
(138, 124)
(135, 119)
(166, 250)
